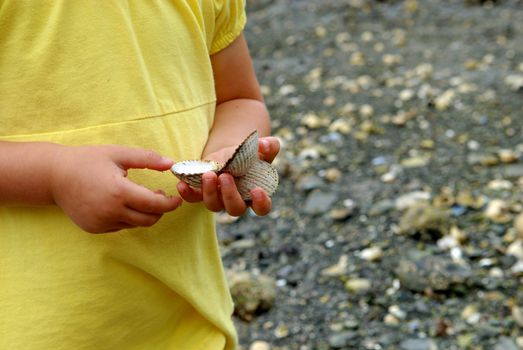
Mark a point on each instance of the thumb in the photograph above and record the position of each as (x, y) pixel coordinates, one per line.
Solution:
(137, 158)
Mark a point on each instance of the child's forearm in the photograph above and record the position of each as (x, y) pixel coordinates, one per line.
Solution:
(26, 172)
(234, 120)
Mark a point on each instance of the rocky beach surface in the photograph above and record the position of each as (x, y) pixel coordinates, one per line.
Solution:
(398, 222)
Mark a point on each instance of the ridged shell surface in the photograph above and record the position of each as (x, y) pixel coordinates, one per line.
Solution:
(244, 156)
(191, 171)
(261, 174)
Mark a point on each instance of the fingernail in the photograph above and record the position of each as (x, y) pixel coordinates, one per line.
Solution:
(256, 195)
(226, 180)
(265, 145)
(165, 160)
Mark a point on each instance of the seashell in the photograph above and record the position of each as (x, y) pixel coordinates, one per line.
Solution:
(244, 165)
(243, 157)
(261, 174)
(191, 171)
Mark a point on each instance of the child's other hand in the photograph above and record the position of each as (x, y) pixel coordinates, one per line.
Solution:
(220, 193)
(90, 185)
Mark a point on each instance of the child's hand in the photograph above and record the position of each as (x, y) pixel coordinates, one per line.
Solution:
(90, 185)
(219, 193)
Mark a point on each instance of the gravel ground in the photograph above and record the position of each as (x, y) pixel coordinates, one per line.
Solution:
(398, 223)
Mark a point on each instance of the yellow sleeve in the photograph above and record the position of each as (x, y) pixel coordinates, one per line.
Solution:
(230, 19)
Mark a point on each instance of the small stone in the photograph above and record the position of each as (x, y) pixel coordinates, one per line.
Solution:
(415, 162)
(252, 295)
(507, 156)
(338, 269)
(412, 198)
(499, 184)
(391, 320)
(418, 344)
(397, 312)
(366, 111)
(319, 202)
(470, 314)
(341, 125)
(516, 249)
(332, 174)
(371, 254)
(312, 121)
(506, 343)
(358, 285)
(422, 218)
(342, 340)
(411, 6)
(391, 60)
(281, 331)
(432, 272)
(340, 214)
(444, 101)
(515, 82)
(259, 345)
(406, 95)
(357, 59)
(518, 224)
(498, 211)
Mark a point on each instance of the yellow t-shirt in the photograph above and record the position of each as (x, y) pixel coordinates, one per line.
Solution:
(133, 73)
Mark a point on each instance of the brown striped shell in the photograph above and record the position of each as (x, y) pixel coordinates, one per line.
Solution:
(244, 165)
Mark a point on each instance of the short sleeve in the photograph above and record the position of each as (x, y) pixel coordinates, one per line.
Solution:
(230, 19)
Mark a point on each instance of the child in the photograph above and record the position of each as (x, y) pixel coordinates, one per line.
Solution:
(75, 76)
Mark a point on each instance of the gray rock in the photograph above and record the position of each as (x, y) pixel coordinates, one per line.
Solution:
(422, 218)
(505, 343)
(513, 170)
(309, 182)
(418, 344)
(318, 202)
(342, 339)
(432, 272)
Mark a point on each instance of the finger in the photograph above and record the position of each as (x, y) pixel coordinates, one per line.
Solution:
(232, 201)
(134, 218)
(269, 147)
(146, 201)
(138, 158)
(189, 194)
(211, 192)
(261, 202)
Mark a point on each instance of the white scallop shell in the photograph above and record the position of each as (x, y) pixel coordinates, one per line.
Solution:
(261, 174)
(243, 157)
(191, 171)
(244, 165)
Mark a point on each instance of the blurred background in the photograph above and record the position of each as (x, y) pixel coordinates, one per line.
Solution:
(398, 222)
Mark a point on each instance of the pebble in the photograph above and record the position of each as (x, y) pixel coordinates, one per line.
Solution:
(319, 202)
(252, 295)
(340, 214)
(426, 220)
(437, 273)
(410, 199)
(342, 339)
(445, 100)
(358, 285)
(514, 81)
(281, 331)
(332, 174)
(518, 224)
(498, 211)
(260, 345)
(371, 254)
(516, 249)
(418, 344)
(338, 269)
